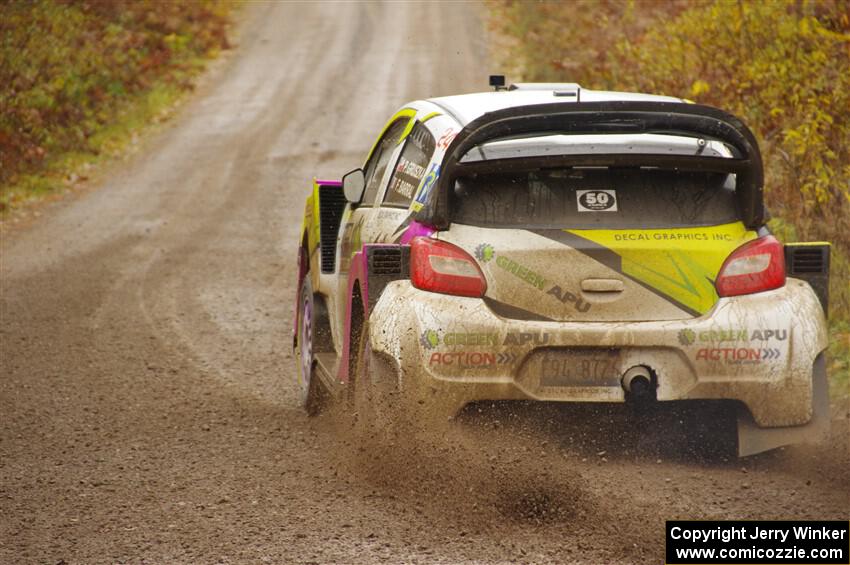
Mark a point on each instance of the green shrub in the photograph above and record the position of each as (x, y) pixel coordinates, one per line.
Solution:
(570, 41)
(786, 72)
(68, 67)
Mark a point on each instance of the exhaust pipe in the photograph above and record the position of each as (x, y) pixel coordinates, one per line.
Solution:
(639, 383)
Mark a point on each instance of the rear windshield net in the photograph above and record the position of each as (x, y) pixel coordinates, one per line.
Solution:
(587, 198)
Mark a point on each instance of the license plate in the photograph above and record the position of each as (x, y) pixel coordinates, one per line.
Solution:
(580, 367)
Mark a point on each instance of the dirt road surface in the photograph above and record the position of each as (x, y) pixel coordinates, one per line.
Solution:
(147, 393)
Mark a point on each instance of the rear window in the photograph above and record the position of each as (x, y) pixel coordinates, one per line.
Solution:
(588, 198)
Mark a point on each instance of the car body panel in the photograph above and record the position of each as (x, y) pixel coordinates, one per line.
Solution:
(758, 349)
(526, 269)
(614, 298)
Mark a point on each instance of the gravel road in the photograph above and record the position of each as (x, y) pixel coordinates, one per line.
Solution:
(147, 392)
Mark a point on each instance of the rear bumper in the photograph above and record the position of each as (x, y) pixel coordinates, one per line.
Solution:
(757, 349)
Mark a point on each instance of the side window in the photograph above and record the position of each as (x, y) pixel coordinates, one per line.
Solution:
(410, 168)
(380, 158)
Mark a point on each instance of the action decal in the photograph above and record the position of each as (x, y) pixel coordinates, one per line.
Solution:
(738, 355)
(475, 349)
(464, 359)
(734, 345)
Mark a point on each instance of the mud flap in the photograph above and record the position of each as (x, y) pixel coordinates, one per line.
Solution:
(752, 439)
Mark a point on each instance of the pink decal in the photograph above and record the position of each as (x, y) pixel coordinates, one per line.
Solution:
(415, 229)
(357, 275)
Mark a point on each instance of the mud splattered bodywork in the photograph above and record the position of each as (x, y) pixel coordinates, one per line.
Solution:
(508, 245)
(462, 348)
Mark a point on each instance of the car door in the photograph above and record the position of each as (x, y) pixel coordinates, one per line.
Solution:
(359, 227)
(355, 226)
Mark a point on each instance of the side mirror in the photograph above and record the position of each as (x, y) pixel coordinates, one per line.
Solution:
(353, 185)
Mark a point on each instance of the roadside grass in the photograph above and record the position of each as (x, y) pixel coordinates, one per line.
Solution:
(140, 114)
(81, 82)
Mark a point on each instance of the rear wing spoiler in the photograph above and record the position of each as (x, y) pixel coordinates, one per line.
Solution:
(672, 118)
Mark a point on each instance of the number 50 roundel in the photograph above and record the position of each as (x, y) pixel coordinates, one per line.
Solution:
(596, 200)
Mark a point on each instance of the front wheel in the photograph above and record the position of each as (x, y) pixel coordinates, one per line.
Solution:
(311, 395)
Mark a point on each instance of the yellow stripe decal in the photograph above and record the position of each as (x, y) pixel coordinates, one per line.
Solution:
(406, 131)
(680, 263)
(408, 113)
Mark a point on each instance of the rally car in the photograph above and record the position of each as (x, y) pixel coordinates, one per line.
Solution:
(548, 242)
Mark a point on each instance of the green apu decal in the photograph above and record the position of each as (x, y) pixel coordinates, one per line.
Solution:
(431, 339)
(485, 253)
(738, 335)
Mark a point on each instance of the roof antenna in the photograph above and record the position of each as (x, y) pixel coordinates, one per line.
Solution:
(497, 82)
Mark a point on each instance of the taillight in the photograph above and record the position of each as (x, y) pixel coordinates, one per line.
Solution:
(441, 267)
(756, 266)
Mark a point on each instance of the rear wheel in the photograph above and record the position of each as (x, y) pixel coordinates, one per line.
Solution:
(374, 392)
(360, 363)
(361, 383)
(311, 394)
